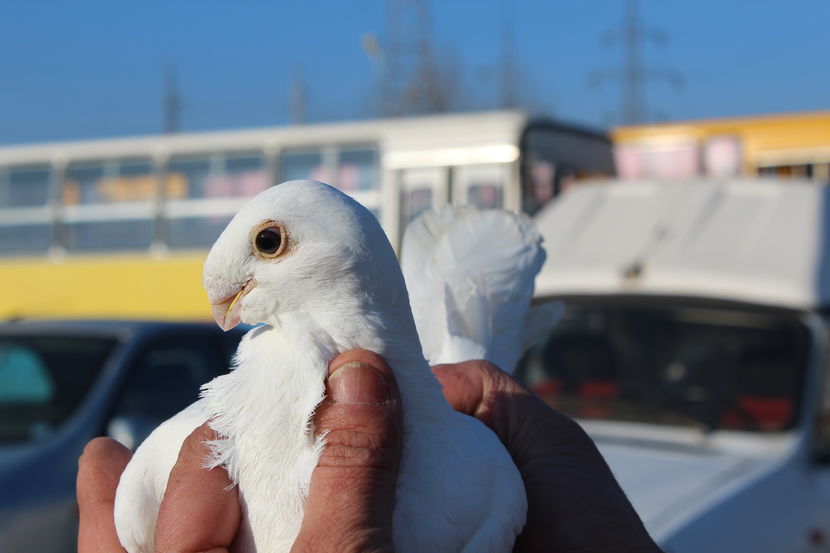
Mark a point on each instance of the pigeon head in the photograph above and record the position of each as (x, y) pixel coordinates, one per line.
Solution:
(300, 247)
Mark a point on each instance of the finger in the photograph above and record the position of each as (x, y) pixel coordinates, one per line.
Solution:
(464, 385)
(200, 511)
(480, 389)
(99, 470)
(557, 460)
(352, 492)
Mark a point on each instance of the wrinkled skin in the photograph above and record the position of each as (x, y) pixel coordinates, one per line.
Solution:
(574, 502)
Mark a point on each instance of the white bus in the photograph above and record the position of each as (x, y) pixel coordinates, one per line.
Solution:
(142, 211)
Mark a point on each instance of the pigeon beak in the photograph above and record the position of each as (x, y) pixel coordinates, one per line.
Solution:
(226, 311)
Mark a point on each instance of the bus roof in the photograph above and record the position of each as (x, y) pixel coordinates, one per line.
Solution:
(785, 138)
(819, 120)
(759, 242)
(446, 131)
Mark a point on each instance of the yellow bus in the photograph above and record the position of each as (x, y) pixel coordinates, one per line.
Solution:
(120, 227)
(783, 145)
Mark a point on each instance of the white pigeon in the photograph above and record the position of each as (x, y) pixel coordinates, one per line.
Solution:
(470, 275)
(316, 268)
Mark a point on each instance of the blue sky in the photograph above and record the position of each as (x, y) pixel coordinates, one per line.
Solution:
(87, 69)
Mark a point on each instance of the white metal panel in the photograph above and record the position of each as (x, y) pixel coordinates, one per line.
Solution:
(756, 241)
(664, 484)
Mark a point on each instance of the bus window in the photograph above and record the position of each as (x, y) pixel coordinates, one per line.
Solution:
(24, 218)
(352, 169)
(304, 165)
(196, 231)
(357, 169)
(109, 205)
(541, 182)
(244, 175)
(109, 182)
(421, 189)
(186, 178)
(416, 202)
(25, 187)
(24, 237)
(672, 160)
(722, 156)
(216, 176)
(481, 185)
(555, 156)
(796, 171)
(197, 191)
(129, 234)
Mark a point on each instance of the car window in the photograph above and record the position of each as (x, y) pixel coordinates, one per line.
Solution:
(167, 377)
(43, 380)
(672, 364)
(23, 376)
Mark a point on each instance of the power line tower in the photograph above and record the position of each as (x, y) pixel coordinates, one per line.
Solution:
(633, 74)
(407, 49)
(413, 80)
(172, 101)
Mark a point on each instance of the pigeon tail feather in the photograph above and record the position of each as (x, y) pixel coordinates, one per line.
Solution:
(470, 275)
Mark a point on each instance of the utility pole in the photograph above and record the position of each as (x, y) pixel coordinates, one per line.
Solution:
(509, 97)
(299, 98)
(172, 101)
(375, 51)
(634, 74)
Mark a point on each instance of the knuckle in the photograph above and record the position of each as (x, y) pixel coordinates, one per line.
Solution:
(357, 447)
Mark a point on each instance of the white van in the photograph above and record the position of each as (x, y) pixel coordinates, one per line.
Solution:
(695, 352)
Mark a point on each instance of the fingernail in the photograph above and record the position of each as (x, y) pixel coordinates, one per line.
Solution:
(355, 383)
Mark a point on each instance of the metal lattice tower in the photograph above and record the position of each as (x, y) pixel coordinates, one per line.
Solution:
(634, 74)
(407, 52)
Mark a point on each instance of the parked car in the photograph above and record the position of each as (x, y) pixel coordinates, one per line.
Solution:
(694, 351)
(64, 383)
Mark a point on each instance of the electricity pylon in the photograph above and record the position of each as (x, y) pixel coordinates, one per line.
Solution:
(634, 74)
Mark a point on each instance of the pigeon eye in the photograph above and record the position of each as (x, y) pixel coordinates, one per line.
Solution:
(269, 239)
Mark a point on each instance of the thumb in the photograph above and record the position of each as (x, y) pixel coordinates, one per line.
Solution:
(352, 491)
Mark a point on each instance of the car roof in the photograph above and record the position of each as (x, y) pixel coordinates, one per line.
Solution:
(761, 242)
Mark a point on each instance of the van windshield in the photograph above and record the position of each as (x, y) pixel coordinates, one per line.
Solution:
(714, 368)
(43, 380)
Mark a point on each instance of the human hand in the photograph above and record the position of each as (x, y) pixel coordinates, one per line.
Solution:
(352, 491)
(574, 502)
